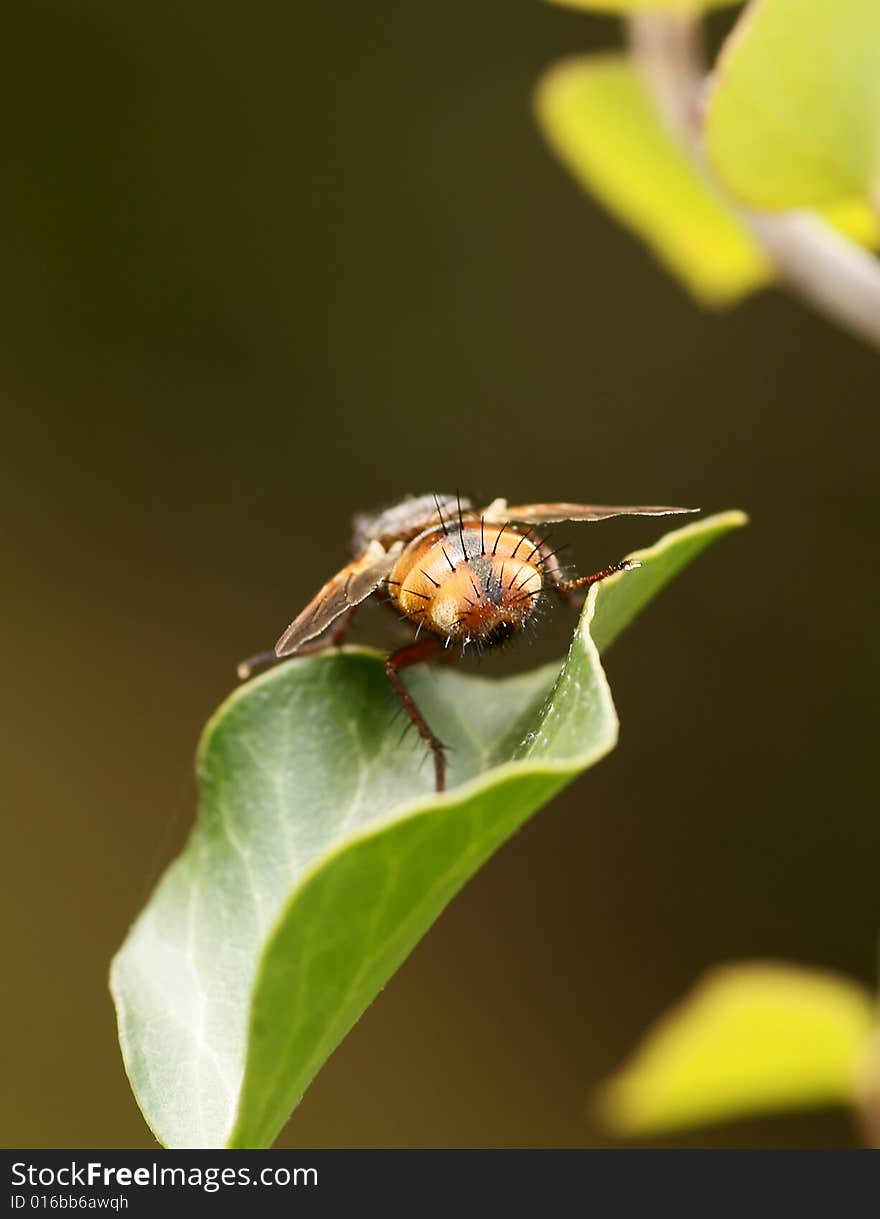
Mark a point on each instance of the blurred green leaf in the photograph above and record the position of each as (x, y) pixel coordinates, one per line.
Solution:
(750, 1038)
(596, 114)
(855, 218)
(321, 855)
(793, 117)
(598, 117)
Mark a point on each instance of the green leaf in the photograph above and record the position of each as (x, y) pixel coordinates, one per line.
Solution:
(321, 854)
(633, 6)
(597, 116)
(751, 1038)
(794, 115)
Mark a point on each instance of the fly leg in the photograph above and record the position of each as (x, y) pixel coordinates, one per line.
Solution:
(265, 660)
(403, 658)
(565, 588)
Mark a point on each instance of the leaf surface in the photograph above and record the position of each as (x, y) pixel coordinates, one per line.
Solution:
(793, 119)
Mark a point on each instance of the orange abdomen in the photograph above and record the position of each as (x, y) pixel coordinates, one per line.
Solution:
(470, 583)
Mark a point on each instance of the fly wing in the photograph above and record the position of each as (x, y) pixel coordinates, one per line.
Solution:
(499, 512)
(348, 588)
(409, 517)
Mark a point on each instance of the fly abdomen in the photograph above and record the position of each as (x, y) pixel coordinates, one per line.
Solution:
(469, 583)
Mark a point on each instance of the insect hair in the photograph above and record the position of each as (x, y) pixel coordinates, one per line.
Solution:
(440, 515)
(461, 528)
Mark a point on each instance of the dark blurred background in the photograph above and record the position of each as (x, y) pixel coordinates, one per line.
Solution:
(267, 265)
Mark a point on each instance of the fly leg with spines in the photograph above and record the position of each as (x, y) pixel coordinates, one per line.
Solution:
(565, 588)
(403, 658)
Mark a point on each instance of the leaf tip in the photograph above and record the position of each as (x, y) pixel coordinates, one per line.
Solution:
(732, 518)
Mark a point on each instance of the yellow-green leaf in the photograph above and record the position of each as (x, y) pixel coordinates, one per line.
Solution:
(793, 118)
(750, 1038)
(596, 114)
(855, 219)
